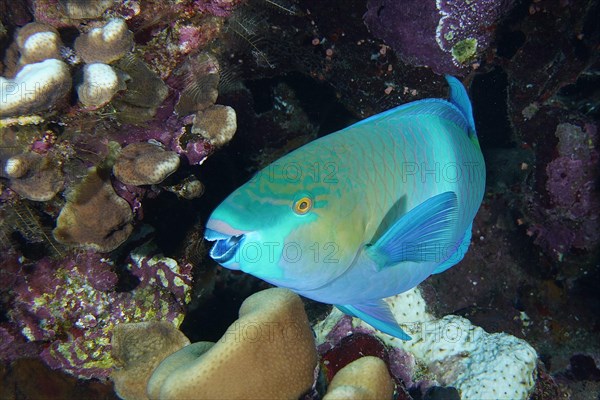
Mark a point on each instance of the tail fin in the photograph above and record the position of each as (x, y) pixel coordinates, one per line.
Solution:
(460, 98)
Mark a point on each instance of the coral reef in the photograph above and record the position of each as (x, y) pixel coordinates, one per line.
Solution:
(94, 217)
(38, 42)
(217, 124)
(100, 83)
(73, 306)
(458, 354)
(144, 164)
(445, 35)
(269, 352)
(106, 44)
(292, 70)
(37, 87)
(34, 176)
(137, 349)
(364, 378)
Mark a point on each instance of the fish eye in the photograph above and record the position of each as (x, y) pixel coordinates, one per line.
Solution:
(302, 205)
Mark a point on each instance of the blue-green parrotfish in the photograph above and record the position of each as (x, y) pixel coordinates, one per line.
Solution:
(361, 214)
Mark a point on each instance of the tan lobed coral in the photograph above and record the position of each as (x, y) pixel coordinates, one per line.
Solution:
(201, 75)
(81, 9)
(94, 217)
(269, 352)
(137, 349)
(38, 42)
(217, 124)
(35, 88)
(33, 176)
(100, 84)
(363, 379)
(145, 91)
(144, 164)
(106, 44)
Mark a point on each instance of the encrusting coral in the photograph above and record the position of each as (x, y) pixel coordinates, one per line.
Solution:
(217, 124)
(100, 83)
(106, 44)
(144, 164)
(363, 379)
(38, 42)
(33, 176)
(94, 217)
(137, 349)
(269, 352)
(37, 87)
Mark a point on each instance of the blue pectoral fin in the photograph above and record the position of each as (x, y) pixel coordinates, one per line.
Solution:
(419, 234)
(378, 315)
(458, 254)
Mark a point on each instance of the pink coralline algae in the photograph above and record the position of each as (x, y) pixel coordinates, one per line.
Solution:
(571, 220)
(444, 35)
(71, 307)
(219, 8)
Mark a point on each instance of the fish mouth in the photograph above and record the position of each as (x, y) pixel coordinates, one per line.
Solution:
(225, 246)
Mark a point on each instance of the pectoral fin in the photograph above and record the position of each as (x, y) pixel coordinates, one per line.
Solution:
(378, 315)
(419, 234)
(458, 254)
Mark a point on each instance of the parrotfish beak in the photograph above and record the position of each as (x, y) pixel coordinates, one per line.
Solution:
(227, 242)
(225, 246)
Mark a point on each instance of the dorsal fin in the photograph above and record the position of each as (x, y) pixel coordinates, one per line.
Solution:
(460, 98)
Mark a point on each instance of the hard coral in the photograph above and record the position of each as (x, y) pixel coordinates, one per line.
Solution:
(269, 352)
(444, 35)
(145, 91)
(38, 42)
(72, 305)
(137, 349)
(100, 83)
(144, 164)
(106, 44)
(200, 76)
(217, 124)
(362, 379)
(37, 87)
(479, 364)
(33, 176)
(81, 9)
(94, 217)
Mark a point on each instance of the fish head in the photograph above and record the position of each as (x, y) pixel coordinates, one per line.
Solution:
(298, 234)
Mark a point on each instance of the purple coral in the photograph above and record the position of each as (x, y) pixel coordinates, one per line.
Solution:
(571, 220)
(444, 35)
(72, 306)
(219, 8)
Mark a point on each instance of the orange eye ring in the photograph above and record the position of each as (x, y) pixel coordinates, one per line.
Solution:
(302, 205)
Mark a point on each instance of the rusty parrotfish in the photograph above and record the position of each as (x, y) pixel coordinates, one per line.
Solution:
(361, 214)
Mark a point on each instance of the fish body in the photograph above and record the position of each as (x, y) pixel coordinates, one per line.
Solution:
(363, 213)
